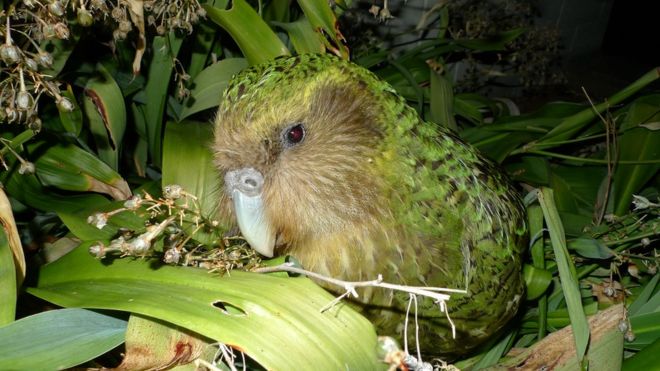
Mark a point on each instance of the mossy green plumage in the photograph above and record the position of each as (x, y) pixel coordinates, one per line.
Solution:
(373, 189)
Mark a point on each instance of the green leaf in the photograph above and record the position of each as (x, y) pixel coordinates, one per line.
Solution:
(71, 168)
(537, 281)
(257, 41)
(277, 320)
(644, 296)
(495, 353)
(28, 190)
(72, 121)
(646, 359)
(442, 101)
(104, 107)
(646, 328)
(208, 86)
(58, 339)
(567, 273)
(636, 144)
(572, 124)
(188, 162)
(302, 36)
(590, 248)
(8, 289)
(494, 43)
(165, 49)
(324, 21)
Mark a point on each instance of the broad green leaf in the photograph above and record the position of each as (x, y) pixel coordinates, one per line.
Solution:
(204, 38)
(572, 124)
(8, 284)
(208, 86)
(60, 50)
(537, 281)
(442, 100)
(590, 248)
(567, 274)
(277, 11)
(646, 359)
(324, 21)
(58, 339)
(28, 190)
(494, 43)
(255, 38)
(537, 252)
(152, 344)
(12, 243)
(188, 162)
(495, 353)
(276, 321)
(302, 36)
(71, 168)
(636, 144)
(644, 296)
(72, 121)
(651, 306)
(105, 109)
(165, 49)
(646, 328)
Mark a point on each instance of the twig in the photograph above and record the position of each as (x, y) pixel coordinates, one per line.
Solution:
(431, 292)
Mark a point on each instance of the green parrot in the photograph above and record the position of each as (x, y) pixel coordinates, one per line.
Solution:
(323, 161)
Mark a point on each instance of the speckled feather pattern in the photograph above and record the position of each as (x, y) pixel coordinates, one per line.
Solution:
(373, 190)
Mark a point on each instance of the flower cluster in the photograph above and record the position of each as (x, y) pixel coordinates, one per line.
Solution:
(27, 27)
(23, 60)
(173, 223)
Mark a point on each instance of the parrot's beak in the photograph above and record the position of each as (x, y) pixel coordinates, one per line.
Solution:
(245, 186)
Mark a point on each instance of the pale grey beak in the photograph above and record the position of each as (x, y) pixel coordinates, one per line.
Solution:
(245, 186)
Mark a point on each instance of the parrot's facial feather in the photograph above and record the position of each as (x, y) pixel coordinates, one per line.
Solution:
(315, 149)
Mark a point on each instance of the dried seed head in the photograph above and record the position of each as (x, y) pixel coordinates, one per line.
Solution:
(9, 54)
(609, 291)
(97, 250)
(118, 35)
(24, 100)
(55, 8)
(98, 4)
(31, 64)
(623, 326)
(48, 31)
(64, 104)
(172, 191)
(125, 26)
(34, 123)
(26, 168)
(61, 31)
(117, 13)
(85, 18)
(172, 256)
(45, 59)
(133, 203)
(12, 115)
(99, 220)
(645, 241)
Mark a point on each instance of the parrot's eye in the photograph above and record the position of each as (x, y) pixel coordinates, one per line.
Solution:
(293, 135)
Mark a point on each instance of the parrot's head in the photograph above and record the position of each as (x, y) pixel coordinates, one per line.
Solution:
(296, 143)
